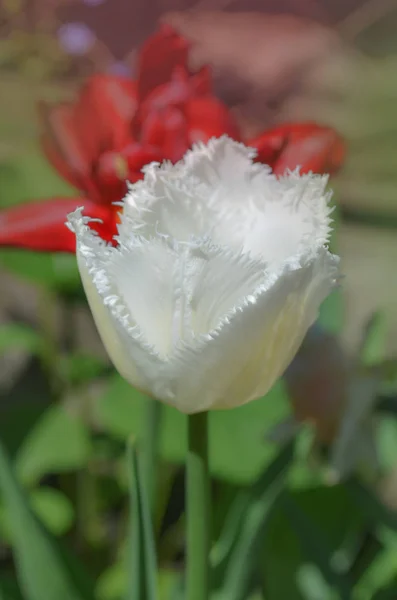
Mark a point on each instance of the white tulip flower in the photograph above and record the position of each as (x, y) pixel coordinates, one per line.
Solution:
(219, 271)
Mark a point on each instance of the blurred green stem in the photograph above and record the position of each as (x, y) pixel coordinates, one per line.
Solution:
(198, 509)
(153, 411)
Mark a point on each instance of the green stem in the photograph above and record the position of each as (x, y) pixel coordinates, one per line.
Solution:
(153, 410)
(198, 509)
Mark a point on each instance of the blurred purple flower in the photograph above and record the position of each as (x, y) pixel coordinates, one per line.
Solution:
(120, 68)
(76, 38)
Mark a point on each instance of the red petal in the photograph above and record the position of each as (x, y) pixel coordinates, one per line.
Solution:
(307, 145)
(58, 162)
(158, 58)
(41, 225)
(62, 145)
(179, 89)
(208, 117)
(115, 168)
(138, 156)
(202, 81)
(167, 130)
(104, 112)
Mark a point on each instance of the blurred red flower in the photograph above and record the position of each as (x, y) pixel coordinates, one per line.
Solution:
(117, 125)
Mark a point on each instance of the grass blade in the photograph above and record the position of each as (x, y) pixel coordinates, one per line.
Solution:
(142, 572)
(240, 562)
(43, 569)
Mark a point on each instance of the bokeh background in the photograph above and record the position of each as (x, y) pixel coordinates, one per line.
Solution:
(273, 61)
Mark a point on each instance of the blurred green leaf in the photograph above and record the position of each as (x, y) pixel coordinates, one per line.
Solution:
(17, 335)
(50, 506)
(53, 509)
(281, 558)
(373, 346)
(9, 589)
(316, 547)
(380, 574)
(386, 441)
(22, 405)
(386, 593)
(370, 505)
(56, 271)
(112, 583)
(331, 313)
(334, 520)
(142, 568)
(238, 449)
(238, 550)
(79, 368)
(30, 177)
(43, 571)
(311, 582)
(58, 442)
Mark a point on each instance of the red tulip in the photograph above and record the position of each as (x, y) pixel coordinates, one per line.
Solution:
(116, 126)
(310, 146)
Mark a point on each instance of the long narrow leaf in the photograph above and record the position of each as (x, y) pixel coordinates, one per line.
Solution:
(142, 561)
(43, 569)
(240, 561)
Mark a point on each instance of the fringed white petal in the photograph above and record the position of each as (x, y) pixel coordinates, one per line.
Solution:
(251, 347)
(134, 358)
(218, 191)
(219, 271)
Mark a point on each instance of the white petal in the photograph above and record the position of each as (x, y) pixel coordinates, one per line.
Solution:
(223, 282)
(132, 356)
(220, 270)
(252, 348)
(217, 191)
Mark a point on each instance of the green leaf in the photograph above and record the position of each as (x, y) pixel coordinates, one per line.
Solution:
(142, 568)
(238, 450)
(16, 335)
(58, 442)
(9, 589)
(370, 505)
(281, 559)
(386, 593)
(50, 506)
(315, 546)
(54, 271)
(22, 405)
(379, 578)
(112, 583)
(373, 345)
(43, 571)
(30, 177)
(311, 582)
(79, 368)
(240, 549)
(53, 509)
(334, 521)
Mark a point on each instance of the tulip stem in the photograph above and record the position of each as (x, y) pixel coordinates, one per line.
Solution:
(198, 509)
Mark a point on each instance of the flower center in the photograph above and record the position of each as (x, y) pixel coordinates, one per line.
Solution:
(120, 167)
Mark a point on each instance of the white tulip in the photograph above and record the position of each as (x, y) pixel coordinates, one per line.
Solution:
(219, 271)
